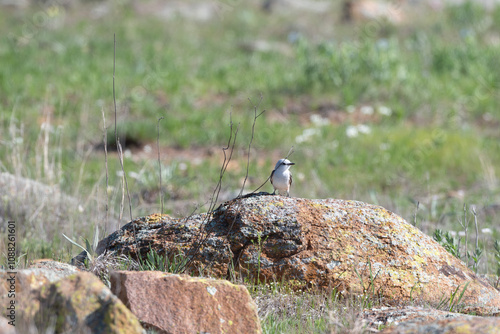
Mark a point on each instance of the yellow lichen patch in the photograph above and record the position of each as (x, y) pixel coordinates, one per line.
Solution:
(419, 259)
(154, 218)
(464, 329)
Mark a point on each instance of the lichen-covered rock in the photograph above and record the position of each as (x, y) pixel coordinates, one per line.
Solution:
(182, 304)
(410, 319)
(448, 326)
(394, 316)
(79, 303)
(348, 245)
(23, 281)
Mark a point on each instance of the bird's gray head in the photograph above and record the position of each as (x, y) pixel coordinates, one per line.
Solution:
(284, 164)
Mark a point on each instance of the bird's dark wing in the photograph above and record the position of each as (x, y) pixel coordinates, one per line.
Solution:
(271, 177)
(291, 179)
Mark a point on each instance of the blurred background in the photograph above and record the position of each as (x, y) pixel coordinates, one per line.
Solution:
(393, 103)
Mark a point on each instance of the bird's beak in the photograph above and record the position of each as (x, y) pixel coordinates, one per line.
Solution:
(291, 163)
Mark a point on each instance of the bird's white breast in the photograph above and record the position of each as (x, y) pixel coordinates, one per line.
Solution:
(281, 179)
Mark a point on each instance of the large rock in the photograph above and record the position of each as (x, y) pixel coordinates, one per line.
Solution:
(448, 326)
(409, 319)
(35, 276)
(348, 245)
(79, 303)
(182, 304)
(40, 273)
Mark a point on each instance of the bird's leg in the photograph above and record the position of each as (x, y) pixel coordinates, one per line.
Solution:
(274, 192)
(288, 193)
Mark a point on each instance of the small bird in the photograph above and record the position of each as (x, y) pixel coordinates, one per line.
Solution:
(281, 177)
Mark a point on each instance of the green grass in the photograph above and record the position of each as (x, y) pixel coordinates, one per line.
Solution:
(425, 95)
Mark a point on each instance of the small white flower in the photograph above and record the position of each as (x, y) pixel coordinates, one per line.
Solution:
(453, 233)
(134, 175)
(318, 120)
(351, 131)
(461, 233)
(148, 149)
(367, 110)
(46, 126)
(486, 231)
(365, 129)
(311, 132)
(351, 109)
(383, 110)
(306, 135)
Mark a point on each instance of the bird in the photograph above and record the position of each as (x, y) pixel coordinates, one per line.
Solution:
(281, 177)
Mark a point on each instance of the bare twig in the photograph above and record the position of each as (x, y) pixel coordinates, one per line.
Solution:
(114, 97)
(124, 179)
(225, 163)
(255, 108)
(105, 142)
(159, 162)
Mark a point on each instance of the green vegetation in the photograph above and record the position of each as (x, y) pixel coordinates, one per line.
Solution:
(391, 115)
(453, 304)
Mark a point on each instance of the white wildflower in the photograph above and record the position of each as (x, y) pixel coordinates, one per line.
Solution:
(134, 175)
(306, 135)
(365, 129)
(350, 109)
(486, 231)
(367, 110)
(352, 131)
(383, 110)
(318, 120)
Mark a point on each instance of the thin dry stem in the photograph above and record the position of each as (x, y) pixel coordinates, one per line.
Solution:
(159, 162)
(105, 142)
(256, 116)
(124, 180)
